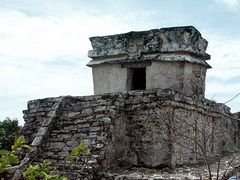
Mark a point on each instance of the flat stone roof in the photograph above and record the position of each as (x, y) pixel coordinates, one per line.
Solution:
(149, 45)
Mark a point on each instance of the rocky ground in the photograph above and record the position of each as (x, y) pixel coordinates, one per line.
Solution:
(185, 172)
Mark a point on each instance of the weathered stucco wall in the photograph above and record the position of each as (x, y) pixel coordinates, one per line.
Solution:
(194, 79)
(165, 75)
(188, 78)
(122, 130)
(109, 78)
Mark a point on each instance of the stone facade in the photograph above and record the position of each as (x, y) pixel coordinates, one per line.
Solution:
(159, 126)
(124, 130)
(170, 58)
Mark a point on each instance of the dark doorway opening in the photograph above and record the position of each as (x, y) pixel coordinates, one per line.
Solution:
(138, 78)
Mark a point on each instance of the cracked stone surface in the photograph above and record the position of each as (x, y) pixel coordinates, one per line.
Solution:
(137, 44)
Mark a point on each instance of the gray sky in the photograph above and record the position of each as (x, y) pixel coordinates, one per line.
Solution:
(44, 43)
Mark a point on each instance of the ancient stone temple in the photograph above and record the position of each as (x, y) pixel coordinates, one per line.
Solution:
(160, 58)
(148, 110)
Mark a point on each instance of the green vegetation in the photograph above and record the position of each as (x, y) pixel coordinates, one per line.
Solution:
(11, 158)
(8, 131)
(41, 171)
(77, 152)
(44, 170)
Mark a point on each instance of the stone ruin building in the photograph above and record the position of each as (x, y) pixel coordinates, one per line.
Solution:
(149, 108)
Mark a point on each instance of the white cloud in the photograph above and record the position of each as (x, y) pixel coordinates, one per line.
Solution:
(46, 56)
(43, 56)
(223, 79)
(38, 38)
(225, 58)
(232, 4)
(223, 92)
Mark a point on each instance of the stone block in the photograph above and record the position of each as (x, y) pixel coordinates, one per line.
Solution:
(47, 121)
(37, 141)
(31, 106)
(81, 121)
(99, 109)
(42, 131)
(79, 135)
(73, 114)
(79, 126)
(86, 141)
(70, 128)
(33, 110)
(52, 113)
(57, 145)
(97, 123)
(99, 116)
(87, 111)
(72, 143)
(94, 129)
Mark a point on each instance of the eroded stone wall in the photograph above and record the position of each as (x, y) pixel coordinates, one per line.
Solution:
(114, 78)
(123, 130)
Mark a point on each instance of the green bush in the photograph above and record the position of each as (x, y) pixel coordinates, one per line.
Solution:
(11, 158)
(41, 171)
(8, 131)
(77, 152)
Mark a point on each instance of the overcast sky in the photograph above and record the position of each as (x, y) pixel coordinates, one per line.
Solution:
(44, 43)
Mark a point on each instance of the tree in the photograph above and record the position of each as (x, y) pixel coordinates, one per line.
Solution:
(8, 131)
(204, 139)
